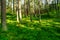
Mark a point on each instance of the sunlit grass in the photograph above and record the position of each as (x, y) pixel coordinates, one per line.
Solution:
(10, 21)
(47, 29)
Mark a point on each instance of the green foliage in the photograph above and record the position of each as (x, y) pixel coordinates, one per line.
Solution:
(48, 29)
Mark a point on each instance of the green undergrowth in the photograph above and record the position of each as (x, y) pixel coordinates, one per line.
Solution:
(47, 29)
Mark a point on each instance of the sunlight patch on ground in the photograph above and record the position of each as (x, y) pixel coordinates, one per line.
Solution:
(27, 18)
(32, 28)
(50, 20)
(43, 22)
(10, 21)
(26, 27)
(35, 21)
(58, 26)
(46, 22)
(56, 22)
(8, 16)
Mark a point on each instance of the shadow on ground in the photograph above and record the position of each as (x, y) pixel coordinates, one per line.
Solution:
(27, 30)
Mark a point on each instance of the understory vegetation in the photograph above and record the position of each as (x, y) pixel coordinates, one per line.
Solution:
(47, 29)
(29, 20)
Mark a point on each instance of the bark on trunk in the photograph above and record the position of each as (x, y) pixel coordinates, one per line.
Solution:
(3, 15)
(19, 14)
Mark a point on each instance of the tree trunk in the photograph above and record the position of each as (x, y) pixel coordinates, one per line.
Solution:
(39, 15)
(3, 15)
(47, 7)
(34, 8)
(19, 15)
(29, 10)
(13, 6)
(25, 8)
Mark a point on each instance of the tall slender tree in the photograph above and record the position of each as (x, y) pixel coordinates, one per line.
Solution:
(29, 9)
(25, 12)
(39, 11)
(13, 6)
(34, 8)
(3, 15)
(28, 6)
(19, 14)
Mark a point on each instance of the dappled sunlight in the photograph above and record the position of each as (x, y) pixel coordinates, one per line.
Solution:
(30, 20)
(32, 28)
(49, 20)
(27, 29)
(35, 21)
(27, 18)
(8, 16)
(10, 21)
(57, 23)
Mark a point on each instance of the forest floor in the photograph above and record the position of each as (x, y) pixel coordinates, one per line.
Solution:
(47, 29)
